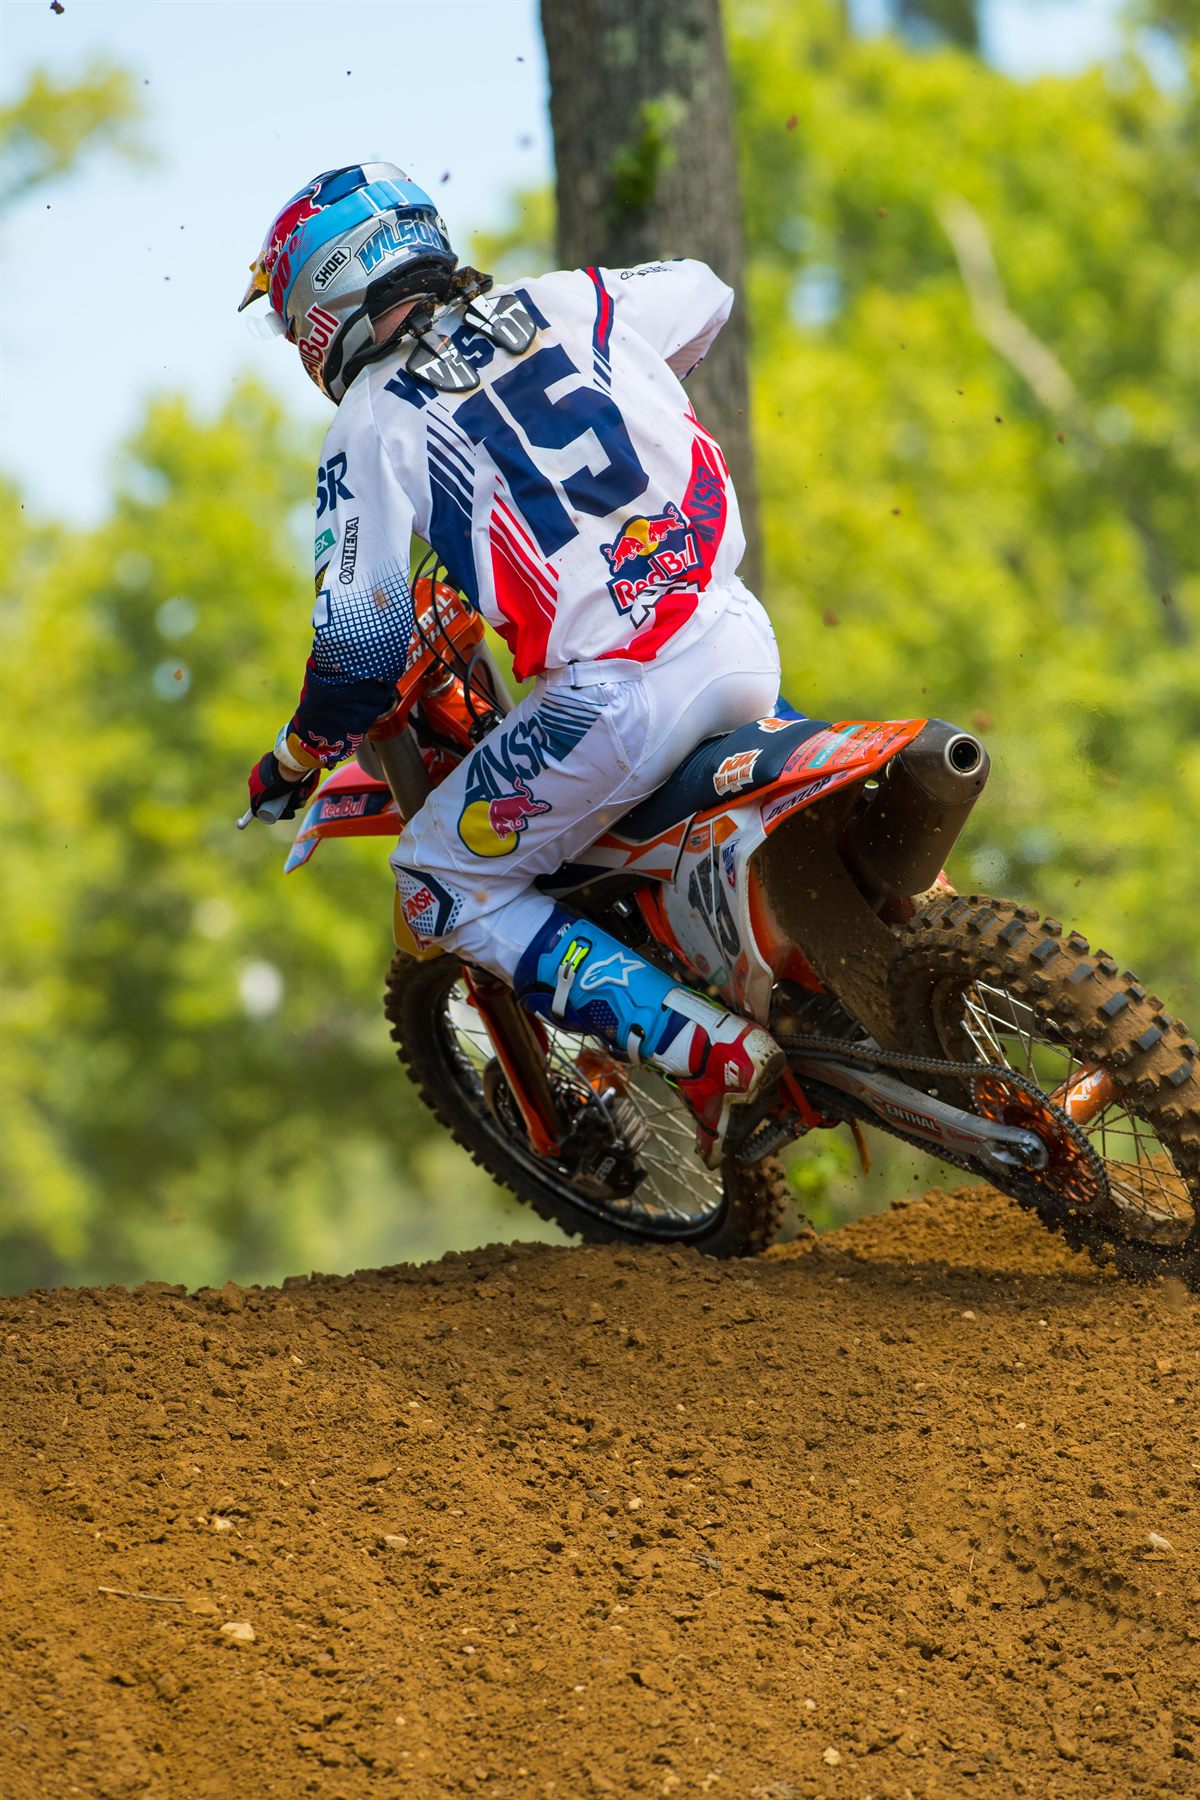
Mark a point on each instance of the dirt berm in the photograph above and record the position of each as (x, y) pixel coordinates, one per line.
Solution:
(909, 1510)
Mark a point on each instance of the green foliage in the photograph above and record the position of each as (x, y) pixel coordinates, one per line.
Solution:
(941, 541)
(200, 1076)
(957, 20)
(637, 167)
(49, 128)
(524, 243)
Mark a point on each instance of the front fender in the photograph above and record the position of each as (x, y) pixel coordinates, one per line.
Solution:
(351, 803)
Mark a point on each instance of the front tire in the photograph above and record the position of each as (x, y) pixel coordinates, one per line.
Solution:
(737, 1212)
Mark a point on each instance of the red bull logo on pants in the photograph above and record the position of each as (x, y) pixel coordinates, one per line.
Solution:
(500, 801)
(494, 827)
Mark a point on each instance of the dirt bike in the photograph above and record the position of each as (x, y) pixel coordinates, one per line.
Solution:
(792, 870)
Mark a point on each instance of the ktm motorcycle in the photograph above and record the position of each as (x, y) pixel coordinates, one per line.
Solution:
(792, 870)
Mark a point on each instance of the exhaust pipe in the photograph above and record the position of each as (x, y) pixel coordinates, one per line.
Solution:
(903, 836)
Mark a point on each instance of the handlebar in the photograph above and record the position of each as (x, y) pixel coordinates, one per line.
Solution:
(270, 812)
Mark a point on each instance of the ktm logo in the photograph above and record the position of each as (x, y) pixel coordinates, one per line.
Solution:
(736, 772)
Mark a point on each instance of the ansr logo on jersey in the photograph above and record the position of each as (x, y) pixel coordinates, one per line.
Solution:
(332, 485)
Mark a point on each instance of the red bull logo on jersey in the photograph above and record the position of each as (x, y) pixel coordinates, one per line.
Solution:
(651, 555)
(494, 827)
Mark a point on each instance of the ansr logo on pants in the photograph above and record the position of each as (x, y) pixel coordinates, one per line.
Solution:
(500, 799)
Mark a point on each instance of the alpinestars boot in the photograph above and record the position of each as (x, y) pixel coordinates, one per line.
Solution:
(575, 975)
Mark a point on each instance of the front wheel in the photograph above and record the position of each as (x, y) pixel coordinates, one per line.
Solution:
(672, 1198)
(988, 982)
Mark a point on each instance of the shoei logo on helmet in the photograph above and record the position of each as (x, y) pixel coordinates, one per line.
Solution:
(330, 267)
(399, 234)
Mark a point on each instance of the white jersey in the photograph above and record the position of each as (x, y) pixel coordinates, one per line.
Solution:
(573, 496)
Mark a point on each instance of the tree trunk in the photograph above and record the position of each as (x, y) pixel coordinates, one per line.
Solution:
(646, 167)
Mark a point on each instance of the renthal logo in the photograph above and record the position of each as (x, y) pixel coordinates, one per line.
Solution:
(429, 625)
(905, 1117)
(333, 265)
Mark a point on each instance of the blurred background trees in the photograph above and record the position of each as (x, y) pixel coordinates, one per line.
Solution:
(639, 105)
(975, 313)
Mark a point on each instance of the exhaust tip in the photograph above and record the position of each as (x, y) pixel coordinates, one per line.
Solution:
(964, 754)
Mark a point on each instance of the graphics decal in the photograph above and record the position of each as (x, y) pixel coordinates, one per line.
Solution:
(334, 263)
(349, 551)
(494, 827)
(399, 234)
(736, 772)
(500, 800)
(331, 483)
(807, 794)
(322, 326)
(649, 556)
(429, 908)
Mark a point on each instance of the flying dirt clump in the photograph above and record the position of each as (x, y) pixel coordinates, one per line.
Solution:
(909, 1509)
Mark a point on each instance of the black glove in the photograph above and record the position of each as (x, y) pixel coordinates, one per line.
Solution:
(273, 796)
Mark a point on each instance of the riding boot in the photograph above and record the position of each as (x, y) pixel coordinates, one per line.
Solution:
(575, 975)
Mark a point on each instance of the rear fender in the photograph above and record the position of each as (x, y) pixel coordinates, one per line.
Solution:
(853, 751)
(711, 909)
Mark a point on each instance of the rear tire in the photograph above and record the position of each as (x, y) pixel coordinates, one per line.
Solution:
(752, 1202)
(969, 966)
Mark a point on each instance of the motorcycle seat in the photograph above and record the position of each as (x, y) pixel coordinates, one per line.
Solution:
(721, 768)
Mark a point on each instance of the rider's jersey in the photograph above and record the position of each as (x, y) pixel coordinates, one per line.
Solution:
(572, 495)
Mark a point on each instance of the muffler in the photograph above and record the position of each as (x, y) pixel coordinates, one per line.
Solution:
(899, 841)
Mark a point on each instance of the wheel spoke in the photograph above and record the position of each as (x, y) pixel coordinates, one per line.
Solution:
(1003, 1030)
(676, 1190)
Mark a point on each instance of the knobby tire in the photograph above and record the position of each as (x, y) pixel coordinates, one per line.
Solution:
(755, 1198)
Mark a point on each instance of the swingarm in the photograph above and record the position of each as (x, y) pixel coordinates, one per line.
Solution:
(905, 1108)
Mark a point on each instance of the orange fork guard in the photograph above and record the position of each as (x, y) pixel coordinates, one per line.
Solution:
(516, 1041)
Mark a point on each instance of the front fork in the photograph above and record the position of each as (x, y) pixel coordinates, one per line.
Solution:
(521, 1052)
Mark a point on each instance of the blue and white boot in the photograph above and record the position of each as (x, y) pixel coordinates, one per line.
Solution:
(575, 975)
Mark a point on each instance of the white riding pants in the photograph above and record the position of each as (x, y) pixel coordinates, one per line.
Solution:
(583, 747)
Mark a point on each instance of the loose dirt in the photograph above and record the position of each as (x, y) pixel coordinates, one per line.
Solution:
(909, 1510)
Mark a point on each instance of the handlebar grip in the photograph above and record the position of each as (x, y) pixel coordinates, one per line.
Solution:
(270, 812)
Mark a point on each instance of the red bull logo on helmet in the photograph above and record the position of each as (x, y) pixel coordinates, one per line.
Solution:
(275, 259)
(650, 555)
(322, 326)
(494, 827)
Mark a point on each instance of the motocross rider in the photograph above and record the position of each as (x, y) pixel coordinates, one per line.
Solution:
(538, 438)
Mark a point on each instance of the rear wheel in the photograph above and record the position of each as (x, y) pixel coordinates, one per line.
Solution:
(986, 981)
(441, 1041)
